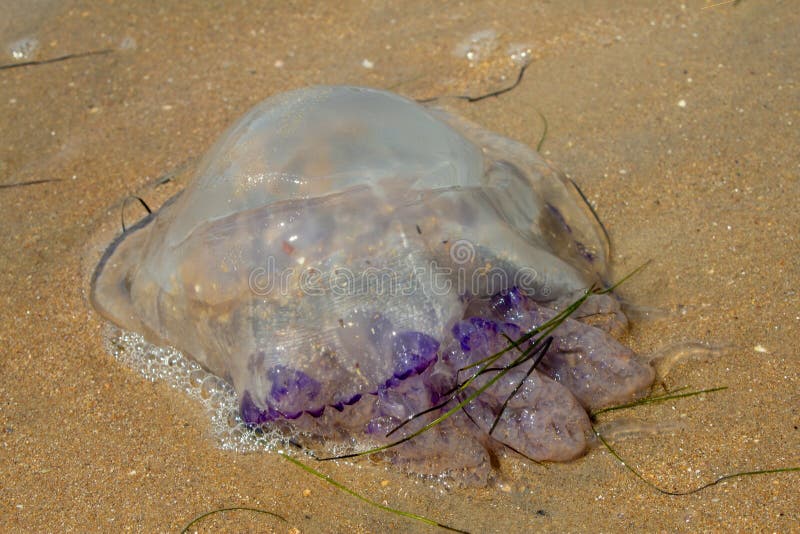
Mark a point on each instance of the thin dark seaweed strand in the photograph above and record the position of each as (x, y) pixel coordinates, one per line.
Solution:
(547, 327)
(453, 393)
(504, 444)
(693, 490)
(544, 132)
(653, 400)
(472, 396)
(527, 354)
(623, 280)
(430, 425)
(31, 182)
(460, 386)
(55, 59)
(385, 508)
(499, 91)
(591, 208)
(556, 320)
(541, 353)
(512, 342)
(537, 462)
(125, 203)
(496, 356)
(484, 96)
(229, 509)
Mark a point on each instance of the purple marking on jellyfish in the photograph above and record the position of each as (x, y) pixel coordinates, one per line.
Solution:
(349, 402)
(484, 324)
(392, 382)
(292, 392)
(317, 412)
(507, 301)
(474, 333)
(290, 386)
(413, 353)
(585, 252)
(253, 415)
(462, 331)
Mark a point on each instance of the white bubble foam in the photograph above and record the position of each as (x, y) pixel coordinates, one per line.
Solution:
(215, 395)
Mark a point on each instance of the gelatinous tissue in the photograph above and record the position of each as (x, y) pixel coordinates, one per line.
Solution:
(343, 254)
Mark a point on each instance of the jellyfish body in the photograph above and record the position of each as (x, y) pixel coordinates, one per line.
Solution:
(342, 254)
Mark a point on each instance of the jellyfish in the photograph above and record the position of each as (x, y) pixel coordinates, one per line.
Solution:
(343, 256)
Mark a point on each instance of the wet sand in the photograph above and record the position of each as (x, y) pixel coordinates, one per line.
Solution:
(681, 125)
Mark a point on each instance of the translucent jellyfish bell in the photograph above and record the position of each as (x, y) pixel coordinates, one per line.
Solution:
(330, 241)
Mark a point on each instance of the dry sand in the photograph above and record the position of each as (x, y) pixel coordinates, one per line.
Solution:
(681, 124)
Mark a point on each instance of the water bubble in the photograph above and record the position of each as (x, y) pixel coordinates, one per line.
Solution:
(520, 54)
(23, 49)
(477, 46)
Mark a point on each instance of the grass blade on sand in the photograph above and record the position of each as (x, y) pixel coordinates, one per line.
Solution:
(380, 506)
(229, 509)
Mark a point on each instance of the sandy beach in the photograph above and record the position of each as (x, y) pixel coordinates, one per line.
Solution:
(681, 123)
